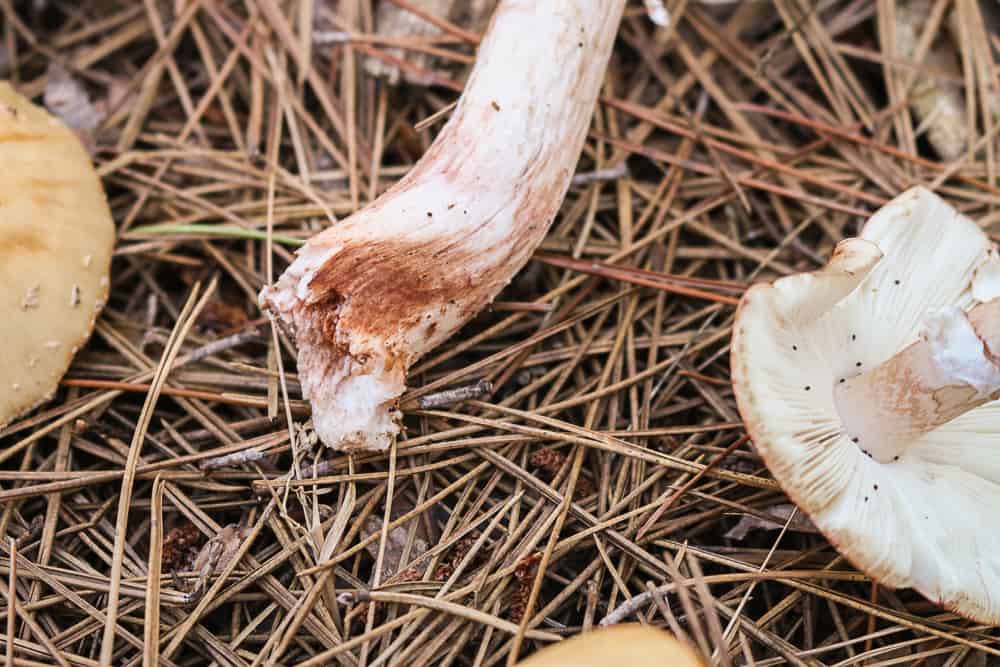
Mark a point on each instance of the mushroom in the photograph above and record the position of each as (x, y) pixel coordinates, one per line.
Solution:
(869, 387)
(371, 294)
(629, 644)
(56, 238)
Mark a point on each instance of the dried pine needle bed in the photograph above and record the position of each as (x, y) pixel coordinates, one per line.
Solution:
(740, 142)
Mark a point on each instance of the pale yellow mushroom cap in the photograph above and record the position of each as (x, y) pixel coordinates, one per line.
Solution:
(56, 239)
(628, 644)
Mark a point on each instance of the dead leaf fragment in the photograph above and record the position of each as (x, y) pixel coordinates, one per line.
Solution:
(394, 547)
(66, 98)
(220, 550)
(396, 539)
(800, 523)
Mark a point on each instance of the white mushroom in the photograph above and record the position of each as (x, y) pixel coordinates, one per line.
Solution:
(56, 238)
(373, 293)
(868, 388)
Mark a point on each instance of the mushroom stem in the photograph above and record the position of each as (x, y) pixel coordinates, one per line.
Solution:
(373, 293)
(954, 367)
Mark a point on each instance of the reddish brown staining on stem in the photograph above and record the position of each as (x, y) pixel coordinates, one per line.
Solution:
(985, 320)
(541, 203)
(324, 315)
(953, 401)
(320, 346)
(895, 400)
(389, 284)
(431, 329)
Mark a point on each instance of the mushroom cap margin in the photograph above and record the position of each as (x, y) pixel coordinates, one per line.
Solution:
(56, 238)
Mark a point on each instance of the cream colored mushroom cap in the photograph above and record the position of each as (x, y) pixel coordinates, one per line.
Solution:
(929, 519)
(56, 238)
(624, 645)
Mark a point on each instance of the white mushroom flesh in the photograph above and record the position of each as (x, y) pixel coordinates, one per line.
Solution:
(906, 495)
(373, 293)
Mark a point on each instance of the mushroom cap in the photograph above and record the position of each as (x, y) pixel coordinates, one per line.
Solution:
(925, 520)
(56, 238)
(629, 644)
